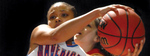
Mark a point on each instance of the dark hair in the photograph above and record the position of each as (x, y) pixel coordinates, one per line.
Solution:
(71, 7)
(97, 21)
(97, 45)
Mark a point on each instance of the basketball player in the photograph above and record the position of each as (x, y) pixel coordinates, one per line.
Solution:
(47, 40)
(88, 40)
(53, 38)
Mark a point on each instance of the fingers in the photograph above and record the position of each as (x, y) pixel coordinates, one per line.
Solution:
(122, 6)
(104, 10)
(129, 52)
(135, 50)
(112, 7)
(141, 46)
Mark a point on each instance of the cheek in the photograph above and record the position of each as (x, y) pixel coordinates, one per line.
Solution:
(76, 40)
(86, 31)
(66, 19)
(51, 24)
(89, 35)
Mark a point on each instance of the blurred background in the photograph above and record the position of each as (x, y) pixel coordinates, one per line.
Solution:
(19, 17)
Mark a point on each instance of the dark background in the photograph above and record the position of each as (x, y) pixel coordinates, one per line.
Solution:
(19, 17)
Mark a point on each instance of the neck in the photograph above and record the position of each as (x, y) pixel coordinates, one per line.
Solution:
(87, 46)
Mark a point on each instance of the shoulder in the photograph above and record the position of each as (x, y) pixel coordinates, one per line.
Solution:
(40, 29)
(42, 26)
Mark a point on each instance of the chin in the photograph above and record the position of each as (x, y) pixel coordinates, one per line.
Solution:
(76, 41)
(76, 38)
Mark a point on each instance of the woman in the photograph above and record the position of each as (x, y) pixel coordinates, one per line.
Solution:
(46, 38)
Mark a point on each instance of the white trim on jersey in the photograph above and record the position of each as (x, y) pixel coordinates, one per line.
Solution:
(57, 50)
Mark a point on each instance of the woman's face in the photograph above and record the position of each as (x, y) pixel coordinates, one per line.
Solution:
(87, 34)
(58, 14)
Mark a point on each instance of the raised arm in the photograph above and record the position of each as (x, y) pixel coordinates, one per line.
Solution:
(44, 34)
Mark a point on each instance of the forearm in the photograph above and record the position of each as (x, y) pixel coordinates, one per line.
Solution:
(46, 35)
(71, 27)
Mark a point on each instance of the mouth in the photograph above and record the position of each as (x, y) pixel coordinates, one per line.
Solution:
(57, 25)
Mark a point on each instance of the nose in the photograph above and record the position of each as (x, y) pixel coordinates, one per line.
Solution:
(58, 19)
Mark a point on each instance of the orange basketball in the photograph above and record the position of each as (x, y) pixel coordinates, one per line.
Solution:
(121, 30)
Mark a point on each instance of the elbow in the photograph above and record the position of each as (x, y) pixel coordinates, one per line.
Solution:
(54, 37)
(57, 38)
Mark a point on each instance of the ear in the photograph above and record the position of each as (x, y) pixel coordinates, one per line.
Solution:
(96, 39)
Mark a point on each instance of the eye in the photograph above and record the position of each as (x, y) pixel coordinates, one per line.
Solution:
(52, 17)
(64, 15)
(89, 26)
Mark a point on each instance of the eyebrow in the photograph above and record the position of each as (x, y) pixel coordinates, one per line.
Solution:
(62, 10)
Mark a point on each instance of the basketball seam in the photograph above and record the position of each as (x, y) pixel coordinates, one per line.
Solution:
(127, 32)
(119, 30)
(122, 36)
(134, 32)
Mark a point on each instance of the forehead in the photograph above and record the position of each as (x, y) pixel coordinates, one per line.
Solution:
(60, 7)
(58, 4)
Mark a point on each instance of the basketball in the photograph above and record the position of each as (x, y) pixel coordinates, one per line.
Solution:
(120, 31)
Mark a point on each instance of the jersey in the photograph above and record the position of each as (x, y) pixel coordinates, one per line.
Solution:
(96, 52)
(60, 49)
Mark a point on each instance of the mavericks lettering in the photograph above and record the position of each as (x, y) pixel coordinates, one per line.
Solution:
(55, 50)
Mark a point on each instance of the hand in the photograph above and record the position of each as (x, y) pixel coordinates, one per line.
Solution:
(104, 10)
(136, 50)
